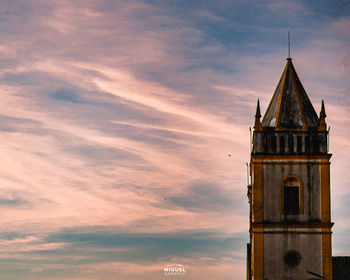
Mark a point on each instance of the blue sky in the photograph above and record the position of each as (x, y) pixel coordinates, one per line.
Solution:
(116, 119)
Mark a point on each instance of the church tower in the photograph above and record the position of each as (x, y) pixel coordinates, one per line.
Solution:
(289, 195)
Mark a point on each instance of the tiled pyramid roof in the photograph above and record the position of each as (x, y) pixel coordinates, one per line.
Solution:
(290, 107)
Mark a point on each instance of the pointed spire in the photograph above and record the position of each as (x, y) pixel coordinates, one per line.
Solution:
(257, 125)
(323, 125)
(290, 107)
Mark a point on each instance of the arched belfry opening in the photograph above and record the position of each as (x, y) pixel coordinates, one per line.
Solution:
(292, 195)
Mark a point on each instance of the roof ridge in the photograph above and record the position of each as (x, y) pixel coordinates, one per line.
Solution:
(298, 94)
(278, 117)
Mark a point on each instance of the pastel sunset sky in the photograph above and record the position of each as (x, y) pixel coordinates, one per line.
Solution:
(117, 119)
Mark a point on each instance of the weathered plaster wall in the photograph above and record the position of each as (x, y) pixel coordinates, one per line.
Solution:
(275, 246)
(272, 177)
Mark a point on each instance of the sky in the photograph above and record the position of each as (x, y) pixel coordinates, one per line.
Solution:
(117, 119)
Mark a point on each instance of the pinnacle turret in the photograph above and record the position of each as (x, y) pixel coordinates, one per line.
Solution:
(257, 125)
(323, 125)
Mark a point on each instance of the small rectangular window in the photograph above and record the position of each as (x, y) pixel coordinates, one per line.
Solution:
(273, 143)
(315, 144)
(265, 147)
(307, 144)
(291, 144)
(282, 144)
(291, 199)
(299, 144)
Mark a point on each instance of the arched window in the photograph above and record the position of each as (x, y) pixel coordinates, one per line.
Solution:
(292, 195)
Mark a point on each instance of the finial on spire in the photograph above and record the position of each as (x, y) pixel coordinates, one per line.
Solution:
(323, 116)
(289, 58)
(257, 125)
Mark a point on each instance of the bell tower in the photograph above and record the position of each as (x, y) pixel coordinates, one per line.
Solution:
(289, 197)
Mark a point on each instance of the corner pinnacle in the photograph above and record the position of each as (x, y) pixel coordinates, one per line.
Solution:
(257, 125)
(323, 125)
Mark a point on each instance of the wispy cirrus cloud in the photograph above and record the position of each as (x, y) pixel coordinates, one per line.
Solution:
(118, 119)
